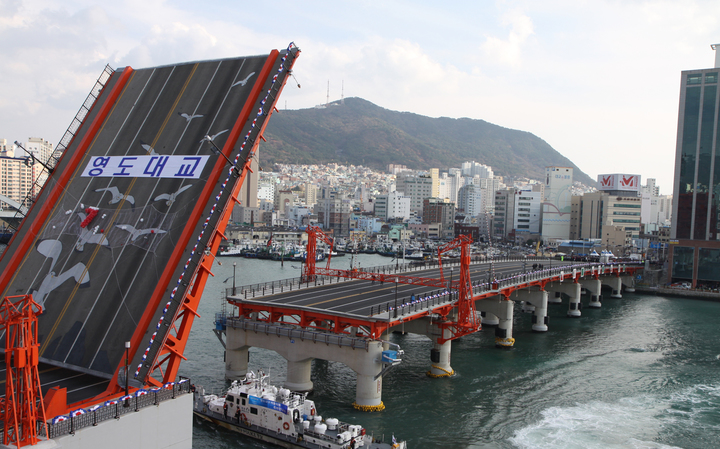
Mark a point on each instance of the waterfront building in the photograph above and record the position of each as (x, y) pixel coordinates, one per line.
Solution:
(334, 215)
(437, 211)
(416, 187)
(20, 176)
(504, 217)
(592, 212)
(527, 215)
(557, 204)
(392, 206)
(694, 254)
(470, 199)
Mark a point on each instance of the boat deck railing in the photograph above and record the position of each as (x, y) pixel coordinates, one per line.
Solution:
(81, 418)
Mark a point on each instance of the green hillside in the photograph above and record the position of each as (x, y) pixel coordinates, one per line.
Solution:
(361, 133)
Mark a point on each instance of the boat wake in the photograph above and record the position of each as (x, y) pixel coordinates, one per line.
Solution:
(647, 421)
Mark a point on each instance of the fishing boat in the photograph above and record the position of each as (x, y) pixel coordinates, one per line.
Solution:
(277, 415)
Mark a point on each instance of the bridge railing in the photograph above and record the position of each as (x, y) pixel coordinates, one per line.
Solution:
(297, 333)
(67, 425)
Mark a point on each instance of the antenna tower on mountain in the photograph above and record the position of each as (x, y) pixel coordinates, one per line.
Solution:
(342, 92)
(327, 99)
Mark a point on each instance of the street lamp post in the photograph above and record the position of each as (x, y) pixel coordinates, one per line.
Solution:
(234, 266)
(127, 373)
(451, 276)
(396, 291)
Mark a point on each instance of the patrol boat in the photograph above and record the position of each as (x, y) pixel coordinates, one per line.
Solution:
(282, 417)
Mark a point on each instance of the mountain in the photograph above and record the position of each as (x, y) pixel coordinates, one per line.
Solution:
(360, 133)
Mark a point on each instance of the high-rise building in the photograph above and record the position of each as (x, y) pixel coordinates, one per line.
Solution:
(437, 211)
(417, 187)
(528, 205)
(595, 211)
(695, 232)
(20, 177)
(470, 200)
(557, 205)
(504, 217)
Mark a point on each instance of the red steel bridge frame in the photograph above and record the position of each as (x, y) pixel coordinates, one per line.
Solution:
(374, 327)
(22, 407)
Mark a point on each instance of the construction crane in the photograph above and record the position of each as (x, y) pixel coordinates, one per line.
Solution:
(22, 407)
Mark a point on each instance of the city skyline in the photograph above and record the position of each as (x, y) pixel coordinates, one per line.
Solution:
(575, 76)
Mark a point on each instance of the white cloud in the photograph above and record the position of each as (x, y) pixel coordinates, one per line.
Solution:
(598, 80)
(509, 51)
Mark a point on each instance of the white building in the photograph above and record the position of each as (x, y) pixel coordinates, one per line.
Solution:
(416, 187)
(557, 206)
(528, 212)
(470, 200)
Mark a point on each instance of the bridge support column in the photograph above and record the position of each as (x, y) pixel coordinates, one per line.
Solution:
(538, 300)
(615, 283)
(570, 288)
(555, 298)
(298, 375)
(593, 286)
(440, 354)
(489, 319)
(236, 362)
(502, 308)
(629, 283)
(575, 304)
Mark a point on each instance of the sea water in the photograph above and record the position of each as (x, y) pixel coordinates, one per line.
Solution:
(641, 372)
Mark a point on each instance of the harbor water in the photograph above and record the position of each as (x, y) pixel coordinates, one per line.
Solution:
(641, 372)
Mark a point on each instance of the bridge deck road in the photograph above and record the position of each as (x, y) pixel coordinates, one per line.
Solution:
(357, 297)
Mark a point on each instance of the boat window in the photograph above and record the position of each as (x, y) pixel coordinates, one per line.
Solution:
(237, 401)
(243, 402)
(243, 395)
(254, 410)
(230, 398)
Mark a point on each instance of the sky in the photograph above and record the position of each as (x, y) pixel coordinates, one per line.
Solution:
(597, 80)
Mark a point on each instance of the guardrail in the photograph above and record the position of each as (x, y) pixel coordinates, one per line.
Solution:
(297, 333)
(112, 409)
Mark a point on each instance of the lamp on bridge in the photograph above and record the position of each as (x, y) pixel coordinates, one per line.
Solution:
(234, 265)
(396, 287)
(217, 150)
(127, 373)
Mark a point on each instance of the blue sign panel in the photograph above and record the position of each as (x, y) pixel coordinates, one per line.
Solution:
(278, 407)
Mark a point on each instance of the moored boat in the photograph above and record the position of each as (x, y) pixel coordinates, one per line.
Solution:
(288, 419)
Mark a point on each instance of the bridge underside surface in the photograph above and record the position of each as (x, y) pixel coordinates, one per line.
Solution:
(108, 247)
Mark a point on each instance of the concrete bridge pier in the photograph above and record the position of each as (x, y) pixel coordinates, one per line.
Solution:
(629, 283)
(573, 290)
(298, 375)
(299, 353)
(593, 286)
(555, 298)
(440, 353)
(502, 308)
(489, 319)
(615, 283)
(538, 299)
(236, 362)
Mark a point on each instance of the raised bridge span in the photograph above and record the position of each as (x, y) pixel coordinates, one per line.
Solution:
(347, 317)
(116, 249)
